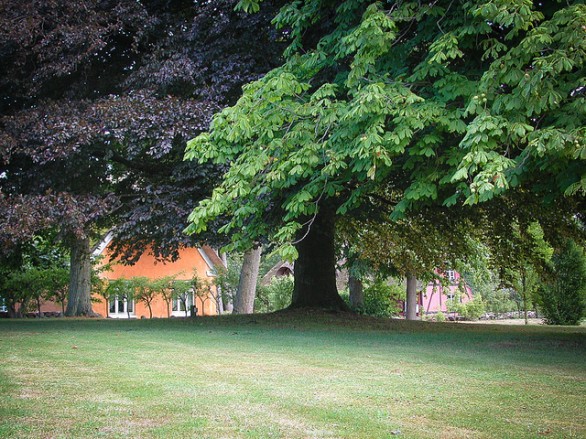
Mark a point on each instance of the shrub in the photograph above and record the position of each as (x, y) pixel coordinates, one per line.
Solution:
(381, 299)
(440, 317)
(473, 309)
(563, 299)
(274, 296)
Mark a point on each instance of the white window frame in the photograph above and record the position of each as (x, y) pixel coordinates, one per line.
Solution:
(176, 305)
(117, 313)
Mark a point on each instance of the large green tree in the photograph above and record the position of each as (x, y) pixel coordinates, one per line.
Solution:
(442, 102)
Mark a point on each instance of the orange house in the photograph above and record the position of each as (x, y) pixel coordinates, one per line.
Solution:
(203, 261)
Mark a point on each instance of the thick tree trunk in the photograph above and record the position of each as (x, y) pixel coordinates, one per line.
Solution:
(411, 313)
(244, 301)
(356, 289)
(79, 303)
(12, 312)
(315, 268)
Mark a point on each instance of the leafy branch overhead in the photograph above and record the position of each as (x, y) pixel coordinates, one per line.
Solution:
(449, 102)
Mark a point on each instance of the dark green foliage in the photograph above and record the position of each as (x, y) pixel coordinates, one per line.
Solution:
(34, 271)
(382, 299)
(274, 296)
(563, 299)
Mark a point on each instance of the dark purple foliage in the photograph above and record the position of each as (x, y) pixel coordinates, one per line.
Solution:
(97, 100)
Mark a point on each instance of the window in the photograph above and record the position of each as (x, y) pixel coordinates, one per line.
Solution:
(451, 275)
(3, 307)
(120, 307)
(181, 305)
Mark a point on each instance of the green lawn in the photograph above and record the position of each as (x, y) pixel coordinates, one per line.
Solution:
(289, 376)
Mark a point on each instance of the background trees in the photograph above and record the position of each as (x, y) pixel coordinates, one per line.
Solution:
(563, 298)
(35, 272)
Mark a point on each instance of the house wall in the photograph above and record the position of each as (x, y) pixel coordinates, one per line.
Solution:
(435, 297)
(190, 260)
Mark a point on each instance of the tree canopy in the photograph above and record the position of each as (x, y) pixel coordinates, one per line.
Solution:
(98, 99)
(444, 103)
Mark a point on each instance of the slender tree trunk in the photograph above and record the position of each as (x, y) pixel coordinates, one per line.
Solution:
(228, 303)
(411, 313)
(79, 303)
(226, 299)
(524, 296)
(431, 298)
(244, 302)
(315, 268)
(356, 289)
(219, 302)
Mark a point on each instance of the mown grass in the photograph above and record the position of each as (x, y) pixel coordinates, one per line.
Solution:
(311, 375)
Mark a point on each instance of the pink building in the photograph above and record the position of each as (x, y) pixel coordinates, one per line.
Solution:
(436, 297)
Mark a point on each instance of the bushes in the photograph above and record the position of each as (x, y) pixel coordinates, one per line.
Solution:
(382, 299)
(471, 310)
(274, 296)
(563, 298)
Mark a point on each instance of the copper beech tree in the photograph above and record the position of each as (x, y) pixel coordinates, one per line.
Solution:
(97, 100)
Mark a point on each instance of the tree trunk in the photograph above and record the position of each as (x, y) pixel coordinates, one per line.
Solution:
(12, 312)
(430, 299)
(315, 268)
(79, 303)
(411, 313)
(226, 299)
(524, 296)
(356, 289)
(219, 302)
(244, 301)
